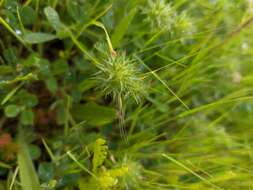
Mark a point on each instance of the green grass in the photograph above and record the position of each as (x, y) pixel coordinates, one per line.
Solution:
(126, 94)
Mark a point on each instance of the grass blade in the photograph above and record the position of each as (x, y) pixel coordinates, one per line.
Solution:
(191, 171)
(121, 29)
(163, 83)
(27, 173)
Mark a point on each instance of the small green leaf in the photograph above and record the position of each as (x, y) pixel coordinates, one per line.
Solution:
(60, 67)
(34, 60)
(27, 117)
(94, 114)
(68, 180)
(28, 15)
(38, 37)
(86, 85)
(46, 171)
(78, 10)
(27, 99)
(54, 19)
(31, 100)
(61, 113)
(11, 110)
(34, 151)
(52, 84)
(122, 27)
(10, 4)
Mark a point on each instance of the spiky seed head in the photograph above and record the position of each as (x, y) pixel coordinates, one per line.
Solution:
(183, 24)
(159, 14)
(118, 75)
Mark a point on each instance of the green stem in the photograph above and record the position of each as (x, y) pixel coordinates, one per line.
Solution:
(121, 118)
(7, 26)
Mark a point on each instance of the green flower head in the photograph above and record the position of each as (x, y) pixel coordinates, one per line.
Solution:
(118, 75)
(159, 14)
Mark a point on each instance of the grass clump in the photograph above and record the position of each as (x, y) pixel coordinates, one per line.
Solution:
(164, 104)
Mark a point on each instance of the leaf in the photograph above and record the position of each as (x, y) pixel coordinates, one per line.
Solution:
(27, 117)
(28, 15)
(34, 60)
(55, 22)
(86, 85)
(94, 114)
(122, 27)
(38, 37)
(60, 67)
(34, 151)
(46, 171)
(27, 99)
(77, 10)
(28, 176)
(11, 110)
(100, 152)
(61, 113)
(52, 85)
(69, 179)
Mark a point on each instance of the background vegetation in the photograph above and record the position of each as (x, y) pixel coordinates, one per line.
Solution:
(126, 94)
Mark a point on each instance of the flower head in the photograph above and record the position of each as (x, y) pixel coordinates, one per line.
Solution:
(159, 14)
(118, 75)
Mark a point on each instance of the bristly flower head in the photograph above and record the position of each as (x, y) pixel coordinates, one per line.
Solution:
(119, 76)
(159, 14)
(184, 24)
